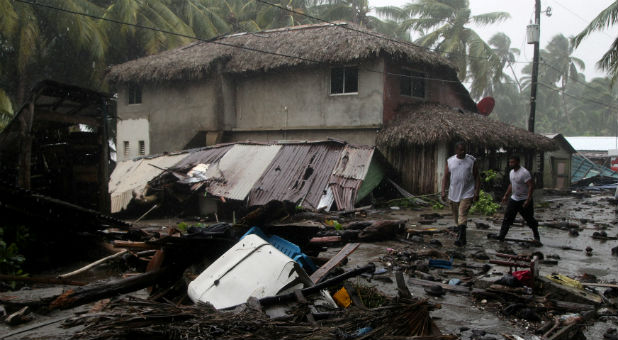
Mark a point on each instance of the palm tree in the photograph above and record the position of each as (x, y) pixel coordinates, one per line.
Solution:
(443, 25)
(31, 38)
(203, 16)
(607, 18)
(132, 42)
(269, 16)
(501, 46)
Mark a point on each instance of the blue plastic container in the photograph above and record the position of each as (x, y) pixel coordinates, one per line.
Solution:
(288, 248)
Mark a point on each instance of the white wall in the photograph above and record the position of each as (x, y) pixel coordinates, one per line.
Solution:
(132, 131)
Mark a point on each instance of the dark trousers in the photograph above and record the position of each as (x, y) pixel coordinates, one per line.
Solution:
(527, 213)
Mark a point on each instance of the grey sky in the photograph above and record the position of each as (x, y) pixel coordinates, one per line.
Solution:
(569, 17)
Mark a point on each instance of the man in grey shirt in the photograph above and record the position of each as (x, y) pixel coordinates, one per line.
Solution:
(462, 175)
(520, 200)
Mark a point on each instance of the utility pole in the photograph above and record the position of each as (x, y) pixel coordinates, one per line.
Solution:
(535, 67)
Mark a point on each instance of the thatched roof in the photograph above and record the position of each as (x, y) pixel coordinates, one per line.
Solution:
(430, 123)
(316, 44)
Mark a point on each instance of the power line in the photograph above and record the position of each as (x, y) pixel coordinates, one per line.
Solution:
(376, 35)
(577, 15)
(576, 97)
(216, 40)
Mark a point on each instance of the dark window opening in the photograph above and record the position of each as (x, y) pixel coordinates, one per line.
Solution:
(412, 83)
(344, 80)
(127, 151)
(135, 94)
(142, 148)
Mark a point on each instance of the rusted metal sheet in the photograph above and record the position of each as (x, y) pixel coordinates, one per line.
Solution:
(344, 191)
(203, 156)
(131, 177)
(354, 162)
(299, 172)
(239, 169)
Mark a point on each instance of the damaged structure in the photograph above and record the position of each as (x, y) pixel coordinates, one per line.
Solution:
(57, 145)
(314, 175)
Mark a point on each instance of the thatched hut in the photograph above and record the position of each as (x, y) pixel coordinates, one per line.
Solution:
(421, 138)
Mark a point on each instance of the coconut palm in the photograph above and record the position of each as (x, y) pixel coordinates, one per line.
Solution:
(607, 18)
(31, 38)
(269, 16)
(501, 46)
(562, 65)
(443, 25)
(203, 16)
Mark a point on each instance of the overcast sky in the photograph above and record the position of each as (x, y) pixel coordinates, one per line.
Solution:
(568, 17)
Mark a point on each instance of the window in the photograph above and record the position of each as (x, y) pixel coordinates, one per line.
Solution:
(344, 80)
(127, 150)
(142, 148)
(135, 94)
(412, 83)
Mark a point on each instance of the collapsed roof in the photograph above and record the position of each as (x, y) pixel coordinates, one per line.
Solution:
(313, 175)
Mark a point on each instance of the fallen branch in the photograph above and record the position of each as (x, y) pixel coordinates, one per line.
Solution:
(46, 280)
(93, 264)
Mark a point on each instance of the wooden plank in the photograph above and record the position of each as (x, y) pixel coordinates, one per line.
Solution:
(607, 285)
(333, 262)
(402, 288)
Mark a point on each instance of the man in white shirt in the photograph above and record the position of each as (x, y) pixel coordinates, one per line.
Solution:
(462, 174)
(520, 200)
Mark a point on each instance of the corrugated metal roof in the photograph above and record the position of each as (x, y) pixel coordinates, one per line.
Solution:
(298, 172)
(133, 175)
(582, 168)
(593, 143)
(354, 162)
(240, 168)
(203, 156)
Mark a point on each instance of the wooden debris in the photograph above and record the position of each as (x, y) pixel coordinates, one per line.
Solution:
(333, 262)
(93, 264)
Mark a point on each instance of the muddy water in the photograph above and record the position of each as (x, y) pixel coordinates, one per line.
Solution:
(459, 311)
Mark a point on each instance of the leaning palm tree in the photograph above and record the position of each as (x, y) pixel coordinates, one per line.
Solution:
(501, 46)
(607, 18)
(443, 25)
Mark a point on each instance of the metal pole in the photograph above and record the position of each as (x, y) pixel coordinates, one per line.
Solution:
(535, 68)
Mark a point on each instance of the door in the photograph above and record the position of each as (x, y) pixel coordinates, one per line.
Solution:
(560, 173)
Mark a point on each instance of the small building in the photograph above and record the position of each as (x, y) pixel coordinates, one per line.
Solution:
(557, 164)
(421, 139)
(597, 149)
(309, 82)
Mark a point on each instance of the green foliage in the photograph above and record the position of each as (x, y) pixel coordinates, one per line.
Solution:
(184, 226)
(11, 261)
(437, 206)
(485, 205)
(489, 175)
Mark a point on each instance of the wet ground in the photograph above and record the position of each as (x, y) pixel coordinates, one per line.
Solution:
(458, 311)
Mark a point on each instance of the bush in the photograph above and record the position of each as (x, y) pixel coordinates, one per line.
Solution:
(485, 205)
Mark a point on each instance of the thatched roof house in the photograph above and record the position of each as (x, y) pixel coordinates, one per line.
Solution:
(430, 123)
(421, 138)
(276, 49)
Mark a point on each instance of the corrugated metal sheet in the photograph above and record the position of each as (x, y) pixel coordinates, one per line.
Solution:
(239, 169)
(354, 162)
(203, 156)
(133, 175)
(582, 168)
(299, 172)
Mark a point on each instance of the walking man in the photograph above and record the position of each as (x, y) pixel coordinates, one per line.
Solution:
(461, 172)
(520, 200)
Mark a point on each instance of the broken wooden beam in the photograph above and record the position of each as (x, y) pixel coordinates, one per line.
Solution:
(93, 264)
(333, 262)
(41, 279)
(86, 294)
(134, 245)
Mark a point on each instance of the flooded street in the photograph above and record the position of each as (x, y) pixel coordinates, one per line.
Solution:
(459, 311)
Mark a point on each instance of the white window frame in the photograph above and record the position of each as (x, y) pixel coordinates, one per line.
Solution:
(330, 81)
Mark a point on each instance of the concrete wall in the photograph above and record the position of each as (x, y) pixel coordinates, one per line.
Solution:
(435, 91)
(131, 131)
(176, 112)
(353, 136)
(549, 179)
(302, 99)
